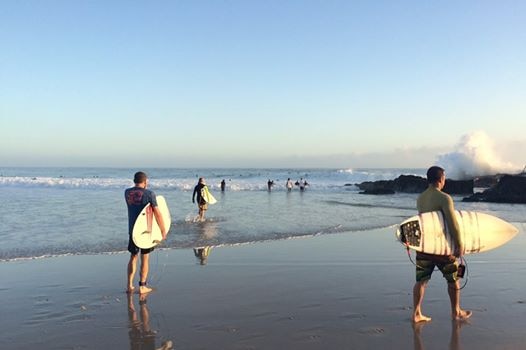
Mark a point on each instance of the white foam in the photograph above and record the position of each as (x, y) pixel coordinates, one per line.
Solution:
(474, 155)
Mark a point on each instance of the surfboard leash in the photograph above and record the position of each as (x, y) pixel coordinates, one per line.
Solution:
(411, 259)
(462, 262)
(155, 274)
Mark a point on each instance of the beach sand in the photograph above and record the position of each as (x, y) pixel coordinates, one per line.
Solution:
(341, 291)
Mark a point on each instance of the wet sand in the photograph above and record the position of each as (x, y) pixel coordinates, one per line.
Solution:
(342, 291)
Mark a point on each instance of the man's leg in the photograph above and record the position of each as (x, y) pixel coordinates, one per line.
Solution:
(202, 211)
(145, 267)
(132, 267)
(418, 296)
(453, 289)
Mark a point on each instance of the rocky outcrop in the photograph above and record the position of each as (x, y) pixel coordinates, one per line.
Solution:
(486, 181)
(412, 184)
(378, 191)
(459, 186)
(509, 189)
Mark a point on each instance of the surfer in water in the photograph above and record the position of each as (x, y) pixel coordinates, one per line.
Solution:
(137, 198)
(289, 185)
(270, 184)
(433, 199)
(201, 203)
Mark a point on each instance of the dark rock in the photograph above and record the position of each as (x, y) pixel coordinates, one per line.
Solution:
(412, 184)
(459, 186)
(509, 189)
(486, 181)
(375, 185)
(378, 191)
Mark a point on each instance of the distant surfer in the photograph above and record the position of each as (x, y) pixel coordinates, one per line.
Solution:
(223, 185)
(270, 184)
(433, 199)
(137, 198)
(289, 185)
(201, 202)
(302, 184)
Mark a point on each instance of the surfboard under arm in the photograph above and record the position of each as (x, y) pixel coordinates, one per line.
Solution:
(428, 233)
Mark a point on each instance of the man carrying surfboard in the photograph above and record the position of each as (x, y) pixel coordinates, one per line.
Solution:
(201, 202)
(137, 198)
(433, 199)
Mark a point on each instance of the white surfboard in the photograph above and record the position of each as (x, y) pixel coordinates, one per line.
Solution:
(427, 232)
(146, 231)
(207, 196)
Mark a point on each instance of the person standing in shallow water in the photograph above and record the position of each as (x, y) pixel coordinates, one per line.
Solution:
(289, 185)
(201, 203)
(433, 199)
(137, 198)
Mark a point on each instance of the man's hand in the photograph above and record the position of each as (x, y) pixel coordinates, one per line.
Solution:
(458, 252)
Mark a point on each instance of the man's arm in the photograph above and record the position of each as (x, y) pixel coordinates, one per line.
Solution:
(451, 220)
(160, 221)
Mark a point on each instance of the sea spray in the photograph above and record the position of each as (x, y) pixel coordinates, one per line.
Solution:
(474, 155)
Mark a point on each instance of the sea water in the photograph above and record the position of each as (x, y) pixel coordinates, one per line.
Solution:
(59, 211)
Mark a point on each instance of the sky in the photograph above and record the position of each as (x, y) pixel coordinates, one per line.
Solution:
(259, 83)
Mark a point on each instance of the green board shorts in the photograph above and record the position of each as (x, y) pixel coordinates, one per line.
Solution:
(425, 265)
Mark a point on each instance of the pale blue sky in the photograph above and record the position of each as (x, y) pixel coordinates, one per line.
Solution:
(259, 83)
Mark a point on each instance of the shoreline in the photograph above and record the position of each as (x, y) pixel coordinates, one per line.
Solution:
(343, 290)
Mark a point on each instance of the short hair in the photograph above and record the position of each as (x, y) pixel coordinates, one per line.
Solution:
(139, 177)
(434, 174)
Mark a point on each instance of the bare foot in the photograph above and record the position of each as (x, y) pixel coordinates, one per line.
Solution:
(144, 289)
(462, 315)
(130, 290)
(421, 318)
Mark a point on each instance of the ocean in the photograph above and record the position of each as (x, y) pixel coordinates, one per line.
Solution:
(69, 211)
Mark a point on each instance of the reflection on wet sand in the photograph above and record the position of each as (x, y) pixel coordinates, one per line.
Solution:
(208, 230)
(202, 254)
(140, 333)
(454, 341)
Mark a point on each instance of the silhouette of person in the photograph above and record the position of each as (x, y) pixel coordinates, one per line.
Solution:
(454, 340)
(140, 333)
(302, 183)
(223, 185)
(270, 184)
(202, 254)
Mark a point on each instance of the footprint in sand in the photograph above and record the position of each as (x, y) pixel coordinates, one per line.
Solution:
(375, 331)
(353, 316)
